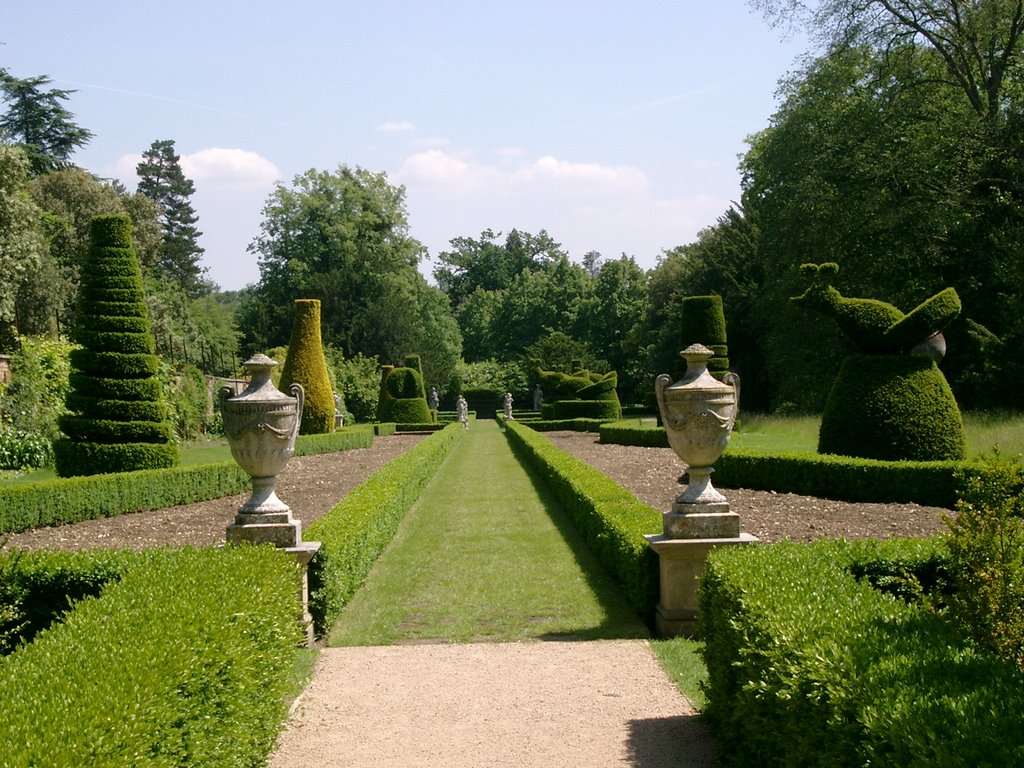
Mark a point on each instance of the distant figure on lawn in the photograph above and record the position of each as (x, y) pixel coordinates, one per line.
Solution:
(462, 411)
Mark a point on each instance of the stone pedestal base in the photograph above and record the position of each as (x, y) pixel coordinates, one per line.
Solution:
(303, 553)
(681, 566)
(701, 521)
(278, 528)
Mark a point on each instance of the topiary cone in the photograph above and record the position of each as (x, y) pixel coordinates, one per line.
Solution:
(305, 365)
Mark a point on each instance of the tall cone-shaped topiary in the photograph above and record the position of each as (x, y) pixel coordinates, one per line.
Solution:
(703, 322)
(305, 365)
(118, 420)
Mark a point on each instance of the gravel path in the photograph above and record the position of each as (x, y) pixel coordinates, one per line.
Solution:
(521, 705)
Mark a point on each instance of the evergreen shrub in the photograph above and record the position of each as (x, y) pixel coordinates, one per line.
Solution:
(703, 322)
(809, 665)
(892, 407)
(114, 379)
(404, 399)
(305, 365)
(179, 662)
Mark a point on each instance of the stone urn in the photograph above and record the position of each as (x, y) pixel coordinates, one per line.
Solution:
(261, 424)
(698, 412)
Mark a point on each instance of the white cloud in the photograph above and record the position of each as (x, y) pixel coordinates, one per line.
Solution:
(613, 209)
(396, 126)
(229, 167)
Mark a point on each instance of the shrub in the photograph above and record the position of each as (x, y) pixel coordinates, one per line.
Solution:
(807, 665)
(403, 400)
(359, 384)
(33, 401)
(125, 354)
(703, 322)
(180, 662)
(305, 365)
(892, 407)
(21, 450)
(987, 561)
(604, 410)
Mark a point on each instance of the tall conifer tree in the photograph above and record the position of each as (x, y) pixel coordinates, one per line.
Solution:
(162, 180)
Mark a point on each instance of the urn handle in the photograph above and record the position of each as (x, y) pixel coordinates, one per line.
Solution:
(296, 391)
(660, 383)
(733, 379)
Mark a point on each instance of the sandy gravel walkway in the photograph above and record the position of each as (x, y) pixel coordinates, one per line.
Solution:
(528, 705)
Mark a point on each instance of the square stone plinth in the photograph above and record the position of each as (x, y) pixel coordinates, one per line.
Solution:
(681, 564)
(701, 521)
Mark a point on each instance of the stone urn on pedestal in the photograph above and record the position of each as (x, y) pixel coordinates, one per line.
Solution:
(698, 413)
(261, 424)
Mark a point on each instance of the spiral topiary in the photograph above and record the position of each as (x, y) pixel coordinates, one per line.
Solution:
(118, 421)
(305, 365)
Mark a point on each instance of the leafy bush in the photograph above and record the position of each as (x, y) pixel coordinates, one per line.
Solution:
(22, 450)
(33, 401)
(180, 662)
(354, 533)
(403, 399)
(610, 518)
(807, 665)
(703, 322)
(358, 381)
(987, 561)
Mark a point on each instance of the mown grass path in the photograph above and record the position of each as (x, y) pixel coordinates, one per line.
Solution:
(485, 555)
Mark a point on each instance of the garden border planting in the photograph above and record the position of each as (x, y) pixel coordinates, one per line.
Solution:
(808, 664)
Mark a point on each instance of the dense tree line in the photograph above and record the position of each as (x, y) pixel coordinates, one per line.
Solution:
(894, 151)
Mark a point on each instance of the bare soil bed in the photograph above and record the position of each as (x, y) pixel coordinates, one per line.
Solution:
(311, 485)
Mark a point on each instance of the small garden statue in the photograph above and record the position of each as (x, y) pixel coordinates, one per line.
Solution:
(433, 400)
(462, 412)
(508, 406)
(538, 398)
(891, 401)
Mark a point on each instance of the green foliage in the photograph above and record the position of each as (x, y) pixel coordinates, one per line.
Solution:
(34, 399)
(106, 687)
(986, 561)
(56, 502)
(358, 383)
(703, 322)
(807, 665)
(24, 450)
(610, 518)
(892, 407)
(129, 355)
(189, 401)
(162, 181)
(306, 365)
(38, 122)
(357, 530)
(404, 400)
(21, 239)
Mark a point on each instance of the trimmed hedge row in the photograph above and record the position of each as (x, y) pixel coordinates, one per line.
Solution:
(807, 665)
(931, 483)
(610, 517)
(354, 533)
(69, 500)
(183, 661)
(554, 425)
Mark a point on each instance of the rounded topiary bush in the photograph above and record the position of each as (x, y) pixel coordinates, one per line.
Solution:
(305, 365)
(892, 408)
(405, 402)
(118, 420)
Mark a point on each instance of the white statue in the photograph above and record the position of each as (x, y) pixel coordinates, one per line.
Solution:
(462, 411)
(433, 400)
(508, 406)
(538, 398)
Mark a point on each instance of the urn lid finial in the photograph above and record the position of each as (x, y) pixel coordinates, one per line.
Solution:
(696, 353)
(259, 360)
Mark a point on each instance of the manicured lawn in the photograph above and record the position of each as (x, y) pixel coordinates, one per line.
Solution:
(485, 555)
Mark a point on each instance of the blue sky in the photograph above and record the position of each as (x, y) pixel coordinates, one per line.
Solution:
(616, 127)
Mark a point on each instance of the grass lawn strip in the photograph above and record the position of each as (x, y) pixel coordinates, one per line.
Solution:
(485, 555)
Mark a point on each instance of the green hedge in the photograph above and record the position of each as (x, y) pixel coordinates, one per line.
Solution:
(354, 533)
(931, 483)
(575, 425)
(70, 500)
(610, 518)
(807, 665)
(180, 662)
(384, 428)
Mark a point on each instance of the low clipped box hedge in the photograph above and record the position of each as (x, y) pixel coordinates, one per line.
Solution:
(70, 500)
(355, 532)
(810, 665)
(610, 518)
(605, 410)
(181, 661)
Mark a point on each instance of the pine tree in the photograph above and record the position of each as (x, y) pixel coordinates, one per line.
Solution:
(36, 120)
(162, 180)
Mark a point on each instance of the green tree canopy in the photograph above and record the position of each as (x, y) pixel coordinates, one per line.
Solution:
(21, 240)
(37, 120)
